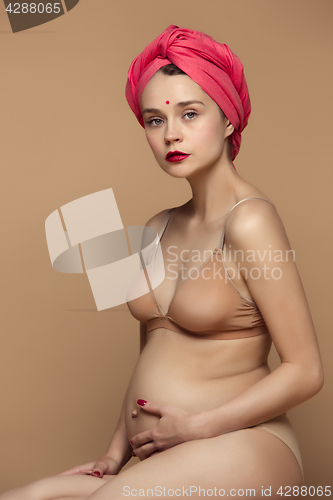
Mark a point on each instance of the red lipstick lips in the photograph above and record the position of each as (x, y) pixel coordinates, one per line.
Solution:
(174, 156)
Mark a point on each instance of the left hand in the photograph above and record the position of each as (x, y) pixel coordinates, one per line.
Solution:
(174, 427)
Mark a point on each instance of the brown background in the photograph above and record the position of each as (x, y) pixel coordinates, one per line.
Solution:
(67, 131)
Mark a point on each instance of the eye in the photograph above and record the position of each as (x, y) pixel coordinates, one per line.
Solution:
(154, 122)
(192, 113)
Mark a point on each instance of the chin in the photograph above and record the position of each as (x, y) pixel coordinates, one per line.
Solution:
(176, 172)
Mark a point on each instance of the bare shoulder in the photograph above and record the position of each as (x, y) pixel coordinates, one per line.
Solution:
(157, 220)
(252, 219)
(152, 228)
(251, 204)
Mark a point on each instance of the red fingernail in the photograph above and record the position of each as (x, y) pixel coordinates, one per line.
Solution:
(141, 402)
(133, 454)
(131, 442)
(96, 473)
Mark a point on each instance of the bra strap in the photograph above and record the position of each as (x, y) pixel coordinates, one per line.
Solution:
(165, 223)
(228, 213)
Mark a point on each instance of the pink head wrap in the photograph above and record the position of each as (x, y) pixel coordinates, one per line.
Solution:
(210, 64)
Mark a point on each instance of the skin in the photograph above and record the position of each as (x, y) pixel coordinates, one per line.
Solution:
(194, 427)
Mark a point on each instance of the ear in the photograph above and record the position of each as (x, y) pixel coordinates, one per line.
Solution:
(229, 129)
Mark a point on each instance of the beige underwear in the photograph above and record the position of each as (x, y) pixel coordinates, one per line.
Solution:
(281, 428)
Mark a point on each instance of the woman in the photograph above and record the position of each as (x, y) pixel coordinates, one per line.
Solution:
(203, 412)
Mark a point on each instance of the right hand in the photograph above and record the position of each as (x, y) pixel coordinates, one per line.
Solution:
(104, 465)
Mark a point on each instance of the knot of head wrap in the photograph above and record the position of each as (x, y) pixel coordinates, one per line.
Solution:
(210, 64)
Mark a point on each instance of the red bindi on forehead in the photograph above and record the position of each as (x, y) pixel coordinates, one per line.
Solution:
(167, 102)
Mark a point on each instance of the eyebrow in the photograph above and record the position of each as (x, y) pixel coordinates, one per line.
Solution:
(178, 105)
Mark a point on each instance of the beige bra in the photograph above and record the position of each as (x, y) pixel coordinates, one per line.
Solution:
(210, 306)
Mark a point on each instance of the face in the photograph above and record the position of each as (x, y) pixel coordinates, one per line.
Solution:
(174, 123)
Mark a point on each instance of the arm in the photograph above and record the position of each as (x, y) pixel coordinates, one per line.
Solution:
(117, 455)
(282, 303)
(281, 299)
(119, 449)
(143, 336)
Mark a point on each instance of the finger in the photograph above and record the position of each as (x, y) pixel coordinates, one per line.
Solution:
(145, 451)
(74, 471)
(151, 454)
(150, 407)
(141, 439)
(78, 469)
(99, 468)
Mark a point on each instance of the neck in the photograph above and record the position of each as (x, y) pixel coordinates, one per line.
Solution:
(213, 191)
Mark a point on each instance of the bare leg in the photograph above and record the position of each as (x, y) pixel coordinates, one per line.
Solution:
(70, 498)
(71, 487)
(235, 462)
(248, 459)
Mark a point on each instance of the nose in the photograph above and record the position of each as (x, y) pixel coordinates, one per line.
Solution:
(172, 133)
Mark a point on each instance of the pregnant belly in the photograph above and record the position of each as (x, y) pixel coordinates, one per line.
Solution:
(191, 374)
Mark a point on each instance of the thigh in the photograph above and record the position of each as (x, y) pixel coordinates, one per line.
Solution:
(75, 487)
(240, 463)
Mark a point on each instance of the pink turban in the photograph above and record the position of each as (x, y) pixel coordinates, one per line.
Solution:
(210, 64)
